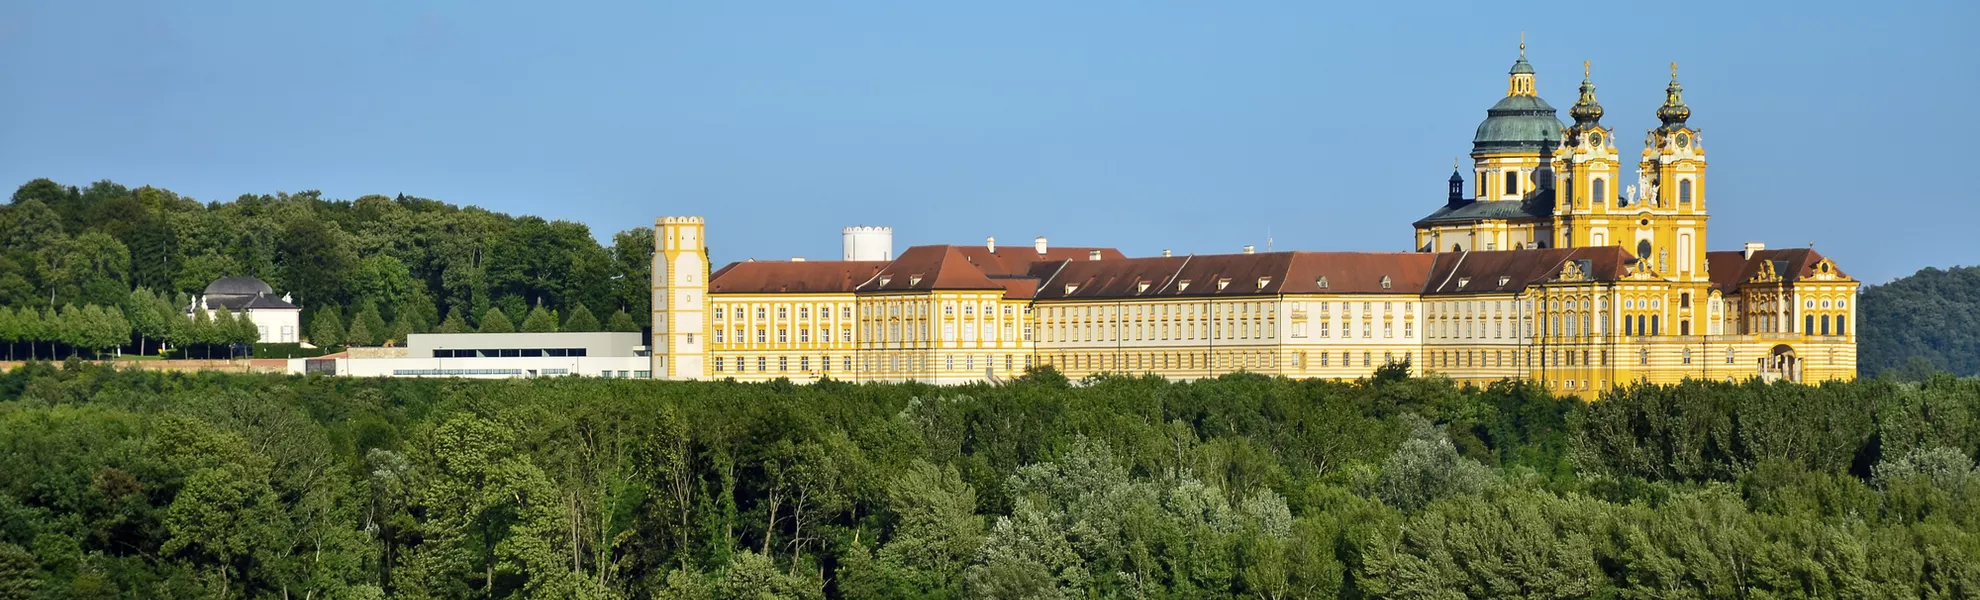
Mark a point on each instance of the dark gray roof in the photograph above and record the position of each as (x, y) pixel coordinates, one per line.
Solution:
(238, 286)
(1534, 207)
(1518, 123)
(240, 303)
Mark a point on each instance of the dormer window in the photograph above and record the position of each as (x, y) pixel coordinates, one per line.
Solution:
(914, 280)
(1182, 286)
(1071, 287)
(1463, 281)
(1264, 281)
(884, 280)
(1140, 287)
(1385, 282)
(1223, 283)
(1320, 282)
(1503, 280)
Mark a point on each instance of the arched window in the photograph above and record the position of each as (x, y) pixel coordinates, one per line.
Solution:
(1653, 324)
(1643, 250)
(1629, 326)
(1825, 327)
(1684, 328)
(1512, 182)
(1808, 325)
(1839, 325)
(1601, 190)
(1684, 190)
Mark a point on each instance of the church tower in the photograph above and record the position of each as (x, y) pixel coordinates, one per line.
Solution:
(1587, 164)
(680, 297)
(1669, 204)
(1512, 150)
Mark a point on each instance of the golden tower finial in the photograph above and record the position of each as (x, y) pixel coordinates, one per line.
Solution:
(1584, 69)
(1522, 44)
(1455, 163)
(1674, 70)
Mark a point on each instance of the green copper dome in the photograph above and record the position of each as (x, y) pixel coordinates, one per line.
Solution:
(1518, 124)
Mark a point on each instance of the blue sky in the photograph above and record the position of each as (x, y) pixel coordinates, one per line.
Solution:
(1195, 126)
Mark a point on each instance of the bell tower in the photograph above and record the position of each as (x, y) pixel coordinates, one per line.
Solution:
(1669, 210)
(680, 298)
(1587, 162)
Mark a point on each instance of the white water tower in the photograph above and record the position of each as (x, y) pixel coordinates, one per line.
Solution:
(869, 243)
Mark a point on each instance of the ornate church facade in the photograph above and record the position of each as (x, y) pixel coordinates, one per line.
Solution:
(1549, 268)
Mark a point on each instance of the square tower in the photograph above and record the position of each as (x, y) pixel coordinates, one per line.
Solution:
(680, 298)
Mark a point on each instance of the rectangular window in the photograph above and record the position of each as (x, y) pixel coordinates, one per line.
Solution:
(718, 336)
(759, 313)
(718, 364)
(783, 363)
(783, 336)
(762, 364)
(1367, 329)
(804, 363)
(762, 336)
(1388, 330)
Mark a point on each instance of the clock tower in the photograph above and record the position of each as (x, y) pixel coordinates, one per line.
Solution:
(1585, 196)
(1669, 213)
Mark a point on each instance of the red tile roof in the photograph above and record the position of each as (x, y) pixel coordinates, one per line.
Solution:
(1018, 260)
(1481, 272)
(1241, 275)
(923, 268)
(780, 277)
(1730, 269)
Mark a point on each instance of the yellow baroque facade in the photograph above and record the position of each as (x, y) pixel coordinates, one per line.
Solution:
(1547, 268)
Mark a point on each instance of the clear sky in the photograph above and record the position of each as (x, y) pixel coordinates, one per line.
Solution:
(1196, 126)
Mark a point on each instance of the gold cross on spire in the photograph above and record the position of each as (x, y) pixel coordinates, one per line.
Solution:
(1584, 69)
(1674, 70)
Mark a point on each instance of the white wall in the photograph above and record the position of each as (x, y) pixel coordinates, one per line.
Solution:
(485, 368)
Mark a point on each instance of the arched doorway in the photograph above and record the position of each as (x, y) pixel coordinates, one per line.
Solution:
(1780, 363)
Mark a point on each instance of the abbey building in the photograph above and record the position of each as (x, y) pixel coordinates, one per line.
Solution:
(1550, 266)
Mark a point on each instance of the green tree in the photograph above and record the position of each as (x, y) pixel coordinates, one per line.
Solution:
(454, 323)
(326, 329)
(20, 575)
(10, 330)
(141, 309)
(539, 321)
(221, 331)
(361, 335)
(246, 331)
(495, 322)
(1428, 467)
(316, 259)
(580, 319)
(368, 328)
(620, 321)
(632, 258)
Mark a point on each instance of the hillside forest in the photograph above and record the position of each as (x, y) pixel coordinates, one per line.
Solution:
(364, 271)
(126, 483)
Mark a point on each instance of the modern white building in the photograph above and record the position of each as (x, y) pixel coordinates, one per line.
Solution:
(278, 319)
(492, 356)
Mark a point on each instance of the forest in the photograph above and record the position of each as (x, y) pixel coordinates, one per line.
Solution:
(81, 264)
(127, 483)
(1925, 322)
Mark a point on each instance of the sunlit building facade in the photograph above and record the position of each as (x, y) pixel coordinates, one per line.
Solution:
(1545, 269)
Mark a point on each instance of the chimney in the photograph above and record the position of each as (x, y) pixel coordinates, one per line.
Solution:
(1752, 247)
(797, 259)
(1093, 255)
(1165, 253)
(1039, 244)
(1247, 248)
(990, 243)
